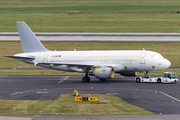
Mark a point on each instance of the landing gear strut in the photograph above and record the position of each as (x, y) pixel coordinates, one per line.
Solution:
(86, 78)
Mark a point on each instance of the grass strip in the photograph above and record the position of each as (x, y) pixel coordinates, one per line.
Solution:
(91, 16)
(56, 72)
(65, 104)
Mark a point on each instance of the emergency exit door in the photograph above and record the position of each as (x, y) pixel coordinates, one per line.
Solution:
(45, 57)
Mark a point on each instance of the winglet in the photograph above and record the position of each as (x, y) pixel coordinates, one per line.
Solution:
(29, 41)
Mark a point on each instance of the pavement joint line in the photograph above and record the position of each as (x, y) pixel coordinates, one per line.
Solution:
(63, 79)
(163, 94)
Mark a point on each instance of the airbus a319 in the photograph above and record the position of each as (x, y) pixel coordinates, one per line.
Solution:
(101, 64)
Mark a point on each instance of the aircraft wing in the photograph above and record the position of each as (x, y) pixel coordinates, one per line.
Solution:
(77, 65)
(70, 65)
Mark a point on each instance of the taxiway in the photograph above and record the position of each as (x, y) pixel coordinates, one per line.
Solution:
(155, 97)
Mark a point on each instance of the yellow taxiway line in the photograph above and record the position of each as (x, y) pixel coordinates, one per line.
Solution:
(63, 79)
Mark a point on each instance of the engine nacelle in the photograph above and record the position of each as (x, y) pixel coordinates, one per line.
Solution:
(104, 73)
(129, 74)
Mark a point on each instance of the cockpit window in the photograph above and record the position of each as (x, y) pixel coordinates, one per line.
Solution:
(155, 57)
(161, 57)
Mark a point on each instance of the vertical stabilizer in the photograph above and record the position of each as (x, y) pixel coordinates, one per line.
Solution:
(29, 42)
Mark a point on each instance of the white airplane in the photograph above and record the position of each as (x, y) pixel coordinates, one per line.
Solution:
(101, 64)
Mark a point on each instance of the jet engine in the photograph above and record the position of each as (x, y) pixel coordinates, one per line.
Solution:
(129, 74)
(103, 73)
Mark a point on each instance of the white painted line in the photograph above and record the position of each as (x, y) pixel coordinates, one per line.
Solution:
(112, 93)
(42, 92)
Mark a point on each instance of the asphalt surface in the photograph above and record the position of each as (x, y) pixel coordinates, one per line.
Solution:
(156, 97)
(91, 117)
(97, 36)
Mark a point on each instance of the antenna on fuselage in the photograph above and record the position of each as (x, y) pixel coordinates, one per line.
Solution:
(143, 49)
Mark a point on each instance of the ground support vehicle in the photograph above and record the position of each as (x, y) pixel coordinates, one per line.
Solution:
(168, 77)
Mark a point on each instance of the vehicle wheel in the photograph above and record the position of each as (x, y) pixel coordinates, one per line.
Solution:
(158, 80)
(86, 79)
(138, 80)
(102, 79)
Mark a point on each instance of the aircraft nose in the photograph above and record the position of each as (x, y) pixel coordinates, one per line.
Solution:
(167, 63)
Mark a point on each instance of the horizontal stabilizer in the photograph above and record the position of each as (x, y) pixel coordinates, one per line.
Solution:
(19, 57)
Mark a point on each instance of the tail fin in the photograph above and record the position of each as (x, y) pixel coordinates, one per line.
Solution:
(29, 42)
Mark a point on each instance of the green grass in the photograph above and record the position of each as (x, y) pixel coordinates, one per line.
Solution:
(37, 72)
(56, 72)
(92, 16)
(170, 50)
(66, 105)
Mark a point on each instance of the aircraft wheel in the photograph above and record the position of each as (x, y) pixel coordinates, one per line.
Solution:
(102, 79)
(138, 80)
(86, 79)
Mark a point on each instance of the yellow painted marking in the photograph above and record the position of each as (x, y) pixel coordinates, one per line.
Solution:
(169, 96)
(63, 80)
(21, 24)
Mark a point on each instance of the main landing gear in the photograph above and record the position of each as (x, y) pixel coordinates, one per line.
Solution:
(86, 78)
